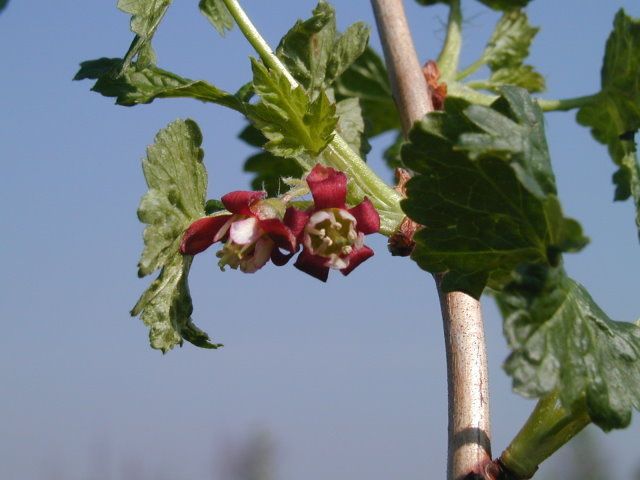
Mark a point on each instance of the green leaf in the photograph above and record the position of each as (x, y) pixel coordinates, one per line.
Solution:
(218, 14)
(270, 169)
(507, 50)
(504, 5)
(563, 341)
(3, 4)
(485, 193)
(177, 182)
(316, 54)
(614, 114)
(146, 16)
(367, 80)
(351, 125)
(292, 123)
(138, 84)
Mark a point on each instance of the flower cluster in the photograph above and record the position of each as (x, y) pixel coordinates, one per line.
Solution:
(257, 229)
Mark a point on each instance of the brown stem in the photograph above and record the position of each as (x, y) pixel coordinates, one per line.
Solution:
(469, 448)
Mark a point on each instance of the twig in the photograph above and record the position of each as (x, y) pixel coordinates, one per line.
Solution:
(469, 447)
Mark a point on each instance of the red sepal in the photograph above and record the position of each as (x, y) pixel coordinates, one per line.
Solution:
(278, 258)
(279, 233)
(367, 217)
(240, 201)
(328, 187)
(356, 258)
(313, 265)
(296, 220)
(199, 235)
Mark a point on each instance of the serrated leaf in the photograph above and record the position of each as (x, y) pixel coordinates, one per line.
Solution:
(306, 48)
(166, 307)
(563, 341)
(485, 193)
(138, 84)
(218, 14)
(503, 5)
(146, 16)
(367, 80)
(270, 170)
(292, 123)
(347, 49)
(351, 126)
(614, 114)
(507, 50)
(177, 182)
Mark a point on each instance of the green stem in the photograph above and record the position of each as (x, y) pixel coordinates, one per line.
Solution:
(566, 103)
(449, 57)
(338, 153)
(548, 428)
(470, 69)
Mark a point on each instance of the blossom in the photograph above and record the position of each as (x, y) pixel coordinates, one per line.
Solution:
(253, 232)
(331, 234)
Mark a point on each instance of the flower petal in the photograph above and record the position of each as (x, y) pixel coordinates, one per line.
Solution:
(296, 220)
(356, 258)
(260, 256)
(328, 187)
(313, 265)
(367, 217)
(241, 200)
(200, 234)
(279, 233)
(245, 231)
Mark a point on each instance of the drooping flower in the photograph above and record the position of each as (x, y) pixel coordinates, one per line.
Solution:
(332, 235)
(252, 233)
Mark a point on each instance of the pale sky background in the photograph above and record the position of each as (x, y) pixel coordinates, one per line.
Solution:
(349, 377)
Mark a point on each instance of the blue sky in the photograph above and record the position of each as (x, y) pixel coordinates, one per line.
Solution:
(349, 377)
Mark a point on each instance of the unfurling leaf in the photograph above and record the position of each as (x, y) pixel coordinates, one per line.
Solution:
(485, 193)
(316, 54)
(293, 124)
(614, 114)
(177, 182)
(143, 84)
(561, 340)
(146, 16)
(218, 14)
(507, 50)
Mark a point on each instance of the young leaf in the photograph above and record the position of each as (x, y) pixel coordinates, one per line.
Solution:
(146, 16)
(506, 51)
(218, 14)
(144, 84)
(316, 54)
(614, 114)
(563, 341)
(177, 182)
(367, 80)
(485, 193)
(292, 123)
